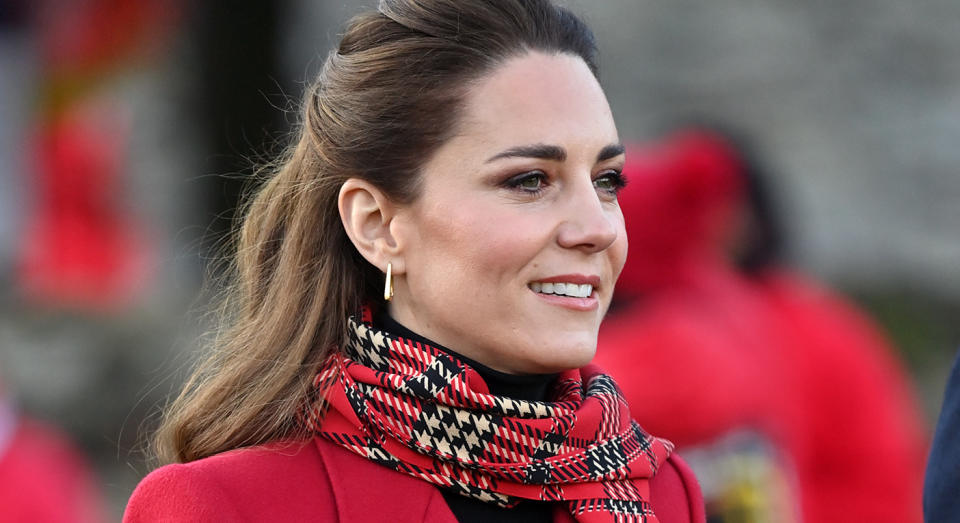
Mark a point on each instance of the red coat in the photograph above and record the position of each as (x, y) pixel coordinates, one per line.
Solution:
(319, 481)
(44, 479)
(793, 406)
(798, 369)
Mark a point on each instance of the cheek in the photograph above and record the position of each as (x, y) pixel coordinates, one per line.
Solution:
(618, 251)
(480, 236)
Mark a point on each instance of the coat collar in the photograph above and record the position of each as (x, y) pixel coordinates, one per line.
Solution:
(364, 491)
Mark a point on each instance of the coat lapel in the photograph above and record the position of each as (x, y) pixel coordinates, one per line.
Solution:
(365, 491)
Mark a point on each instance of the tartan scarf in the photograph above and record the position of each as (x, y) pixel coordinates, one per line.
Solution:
(418, 410)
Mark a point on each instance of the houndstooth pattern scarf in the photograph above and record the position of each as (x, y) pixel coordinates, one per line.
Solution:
(420, 411)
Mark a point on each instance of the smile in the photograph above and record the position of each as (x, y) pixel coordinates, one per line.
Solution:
(570, 289)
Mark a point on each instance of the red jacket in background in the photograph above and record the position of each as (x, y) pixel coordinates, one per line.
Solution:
(43, 480)
(785, 400)
(863, 440)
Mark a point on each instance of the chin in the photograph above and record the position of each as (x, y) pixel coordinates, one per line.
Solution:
(566, 358)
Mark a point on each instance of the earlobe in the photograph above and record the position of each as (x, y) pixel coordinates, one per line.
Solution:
(367, 213)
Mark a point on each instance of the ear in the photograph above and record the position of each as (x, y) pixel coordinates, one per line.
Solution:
(366, 213)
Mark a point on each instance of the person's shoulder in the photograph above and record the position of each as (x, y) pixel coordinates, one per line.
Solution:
(276, 481)
(675, 493)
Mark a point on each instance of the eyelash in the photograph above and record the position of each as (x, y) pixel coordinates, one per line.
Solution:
(616, 176)
(516, 182)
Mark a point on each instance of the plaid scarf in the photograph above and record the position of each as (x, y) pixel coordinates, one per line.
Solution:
(420, 411)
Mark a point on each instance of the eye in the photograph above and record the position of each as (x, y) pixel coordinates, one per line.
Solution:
(610, 181)
(530, 182)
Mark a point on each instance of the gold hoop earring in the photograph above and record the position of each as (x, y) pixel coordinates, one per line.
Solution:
(388, 284)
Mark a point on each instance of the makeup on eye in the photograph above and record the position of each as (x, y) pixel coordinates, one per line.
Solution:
(611, 180)
(529, 182)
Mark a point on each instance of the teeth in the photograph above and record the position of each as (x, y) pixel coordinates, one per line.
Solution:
(563, 289)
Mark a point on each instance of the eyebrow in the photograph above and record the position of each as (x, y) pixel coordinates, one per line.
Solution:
(539, 150)
(552, 152)
(611, 151)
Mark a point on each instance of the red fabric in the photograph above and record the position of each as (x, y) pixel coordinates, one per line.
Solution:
(811, 373)
(774, 354)
(42, 479)
(421, 411)
(862, 446)
(81, 247)
(89, 38)
(319, 481)
(679, 199)
(704, 354)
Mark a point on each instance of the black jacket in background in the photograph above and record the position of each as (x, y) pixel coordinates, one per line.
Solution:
(941, 488)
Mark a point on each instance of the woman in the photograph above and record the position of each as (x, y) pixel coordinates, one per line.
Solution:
(455, 180)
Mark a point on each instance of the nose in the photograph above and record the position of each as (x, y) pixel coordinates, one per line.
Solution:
(589, 224)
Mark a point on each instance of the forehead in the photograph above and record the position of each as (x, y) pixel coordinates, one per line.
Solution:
(538, 98)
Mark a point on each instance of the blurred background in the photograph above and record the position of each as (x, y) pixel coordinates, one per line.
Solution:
(128, 128)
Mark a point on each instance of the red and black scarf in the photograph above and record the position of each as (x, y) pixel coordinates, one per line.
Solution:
(420, 411)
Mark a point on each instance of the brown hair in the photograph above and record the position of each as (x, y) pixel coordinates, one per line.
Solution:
(386, 98)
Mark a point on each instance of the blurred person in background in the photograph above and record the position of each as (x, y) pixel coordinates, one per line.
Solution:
(794, 405)
(43, 479)
(418, 292)
(59, 239)
(82, 245)
(941, 488)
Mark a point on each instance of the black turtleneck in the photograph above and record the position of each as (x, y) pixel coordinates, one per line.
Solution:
(532, 387)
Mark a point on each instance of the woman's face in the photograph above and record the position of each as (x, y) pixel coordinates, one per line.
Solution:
(511, 251)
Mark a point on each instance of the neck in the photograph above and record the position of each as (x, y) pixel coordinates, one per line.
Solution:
(529, 387)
